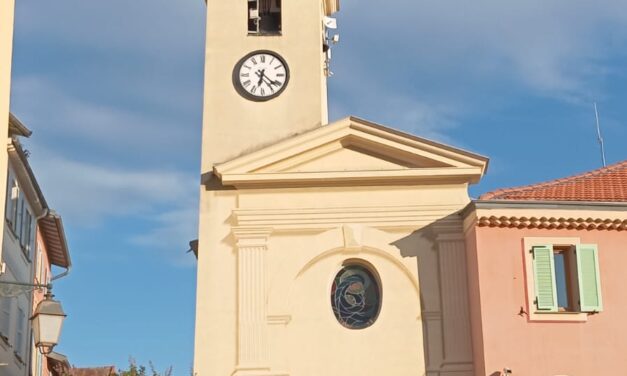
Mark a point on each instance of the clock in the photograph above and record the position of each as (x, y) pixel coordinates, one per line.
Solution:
(261, 75)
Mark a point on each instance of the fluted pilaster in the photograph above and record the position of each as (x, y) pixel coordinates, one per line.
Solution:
(251, 273)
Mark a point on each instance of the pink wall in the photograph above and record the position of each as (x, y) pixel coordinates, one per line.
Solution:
(503, 338)
(38, 296)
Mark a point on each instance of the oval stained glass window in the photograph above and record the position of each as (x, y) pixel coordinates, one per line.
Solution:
(355, 297)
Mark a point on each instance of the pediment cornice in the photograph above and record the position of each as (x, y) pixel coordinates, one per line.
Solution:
(352, 151)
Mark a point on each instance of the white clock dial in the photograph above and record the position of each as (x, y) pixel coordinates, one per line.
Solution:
(261, 75)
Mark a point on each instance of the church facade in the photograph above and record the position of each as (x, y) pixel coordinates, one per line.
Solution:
(324, 249)
(351, 248)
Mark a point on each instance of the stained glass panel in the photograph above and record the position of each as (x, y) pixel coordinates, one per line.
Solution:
(355, 297)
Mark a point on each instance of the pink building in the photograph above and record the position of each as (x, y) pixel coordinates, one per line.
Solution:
(51, 251)
(546, 272)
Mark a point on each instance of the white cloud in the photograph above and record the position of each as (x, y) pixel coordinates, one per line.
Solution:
(108, 131)
(555, 48)
(153, 27)
(162, 204)
(171, 233)
(88, 194)
(427, 66)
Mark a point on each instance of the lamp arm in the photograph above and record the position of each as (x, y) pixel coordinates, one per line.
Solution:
(36, 285)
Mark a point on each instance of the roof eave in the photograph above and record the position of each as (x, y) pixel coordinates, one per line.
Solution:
(54, 237)
(546, 205)
(17, 128)
(26, 176)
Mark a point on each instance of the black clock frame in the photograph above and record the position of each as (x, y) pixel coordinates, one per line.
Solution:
(243, 92)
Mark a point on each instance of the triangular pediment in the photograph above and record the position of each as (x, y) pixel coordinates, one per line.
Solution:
(354, 151)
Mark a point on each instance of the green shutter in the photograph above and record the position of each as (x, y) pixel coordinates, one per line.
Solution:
(589, 278)
(544, 278)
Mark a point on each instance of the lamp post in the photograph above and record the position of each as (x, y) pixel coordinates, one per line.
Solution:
(47, 323)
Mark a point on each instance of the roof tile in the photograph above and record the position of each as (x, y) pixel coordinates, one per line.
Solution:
(607, 184)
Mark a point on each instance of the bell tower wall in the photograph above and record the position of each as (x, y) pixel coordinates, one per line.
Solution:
(233, 124)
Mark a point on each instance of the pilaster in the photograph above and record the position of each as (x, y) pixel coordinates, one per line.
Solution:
(454, 294)
(252, 352)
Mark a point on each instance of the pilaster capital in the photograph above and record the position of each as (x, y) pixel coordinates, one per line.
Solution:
(451, 237)
(247, 237)
(449, 230)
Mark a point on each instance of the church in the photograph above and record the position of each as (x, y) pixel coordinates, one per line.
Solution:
(324, 248)
(351, 248)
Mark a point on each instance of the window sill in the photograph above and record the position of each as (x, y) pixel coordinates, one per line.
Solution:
(264, 34)
(9, 225)
(19, 359)
(25, 253)
(559, 316)
(5, 341)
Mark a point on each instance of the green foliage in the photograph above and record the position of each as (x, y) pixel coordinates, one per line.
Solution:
(137, 370)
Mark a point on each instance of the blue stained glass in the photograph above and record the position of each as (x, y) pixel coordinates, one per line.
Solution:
(355, 297)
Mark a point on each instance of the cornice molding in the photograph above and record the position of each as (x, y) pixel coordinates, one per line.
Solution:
(553, 223)
(454, 175)
(416, 160)
(320, 219)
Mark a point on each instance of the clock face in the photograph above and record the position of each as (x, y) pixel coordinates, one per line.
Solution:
(261, 75)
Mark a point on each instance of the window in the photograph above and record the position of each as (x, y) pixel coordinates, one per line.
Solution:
(12, 204)
(19, 332)
(5, 317)
(17, 227)
(38, 364)
(355, 297)
(20, 219)
(264, 17)
(27, 237)
(566, 278)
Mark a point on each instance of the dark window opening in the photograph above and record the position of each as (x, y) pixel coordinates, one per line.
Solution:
(264, 17)
(565, 278)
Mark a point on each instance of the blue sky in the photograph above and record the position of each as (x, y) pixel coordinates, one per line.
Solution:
(113, 92)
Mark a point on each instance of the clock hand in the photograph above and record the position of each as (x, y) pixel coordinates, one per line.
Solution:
(269, 82)
(261, 74)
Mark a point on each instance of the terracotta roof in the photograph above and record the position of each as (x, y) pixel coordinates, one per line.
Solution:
(98, 371)
(607, 184)
(58, 364)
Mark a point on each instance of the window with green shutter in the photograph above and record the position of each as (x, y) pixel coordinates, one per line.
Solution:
(566, 278)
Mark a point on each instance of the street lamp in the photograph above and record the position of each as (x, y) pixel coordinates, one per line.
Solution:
(47, 322)
(48, 317)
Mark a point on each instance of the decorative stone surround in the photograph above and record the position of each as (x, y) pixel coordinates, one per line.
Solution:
(553, 223)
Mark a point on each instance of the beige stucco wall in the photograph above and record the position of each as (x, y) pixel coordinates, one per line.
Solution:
(7, 8)
(503, 336)
(300, 238)
(292, 213)
(232, 124)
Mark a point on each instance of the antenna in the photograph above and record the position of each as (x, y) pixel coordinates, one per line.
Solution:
(599, 138)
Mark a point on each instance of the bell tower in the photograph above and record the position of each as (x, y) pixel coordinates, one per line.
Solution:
(265, 74)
